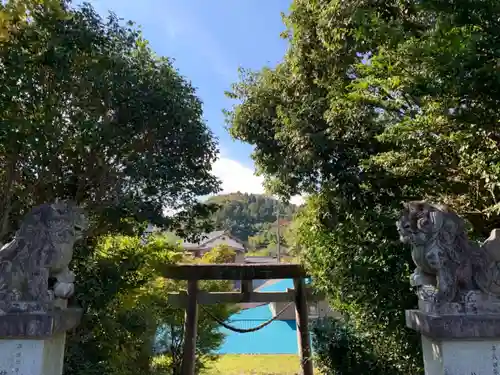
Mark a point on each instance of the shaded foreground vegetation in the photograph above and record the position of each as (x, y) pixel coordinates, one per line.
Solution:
(374, 103)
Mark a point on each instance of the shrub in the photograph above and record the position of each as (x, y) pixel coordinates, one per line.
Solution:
(340, 350)
(219, 254)
(125, 299)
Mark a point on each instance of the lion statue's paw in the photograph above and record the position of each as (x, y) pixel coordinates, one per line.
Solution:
(64, 290)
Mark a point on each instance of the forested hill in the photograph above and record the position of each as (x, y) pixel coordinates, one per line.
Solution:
(251, 217)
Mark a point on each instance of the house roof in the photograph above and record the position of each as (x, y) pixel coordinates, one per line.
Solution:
(209, 237)
(205, 237)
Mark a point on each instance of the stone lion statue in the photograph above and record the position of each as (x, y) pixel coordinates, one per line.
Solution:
(40, 252)
(444, 256)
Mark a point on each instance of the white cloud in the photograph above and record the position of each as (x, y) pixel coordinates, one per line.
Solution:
(237, 177)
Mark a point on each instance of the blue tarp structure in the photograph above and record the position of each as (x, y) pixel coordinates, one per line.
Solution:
(280, 286)
(279, 337)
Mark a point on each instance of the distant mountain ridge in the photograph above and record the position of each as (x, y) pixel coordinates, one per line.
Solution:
(252, 218)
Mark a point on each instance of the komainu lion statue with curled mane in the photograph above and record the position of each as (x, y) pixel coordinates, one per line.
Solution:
(34, 265)
(445, 257)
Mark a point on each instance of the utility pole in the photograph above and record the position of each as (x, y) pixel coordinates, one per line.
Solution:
(278, 248)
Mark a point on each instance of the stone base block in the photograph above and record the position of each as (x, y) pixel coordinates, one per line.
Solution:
(443, 357)
(32, 357)
(458, 344)
(39, 324)
(454, 327)
(472, 302)
(33, 343)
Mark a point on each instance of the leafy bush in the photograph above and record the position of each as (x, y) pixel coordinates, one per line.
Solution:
(219, 254)
(125, 302)
(121, 294)
(340, 350)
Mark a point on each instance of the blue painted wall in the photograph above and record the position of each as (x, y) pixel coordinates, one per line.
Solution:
(255, 283)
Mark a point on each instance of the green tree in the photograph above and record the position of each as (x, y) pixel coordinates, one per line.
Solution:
(90, 113)
(121, 317)
(129, 315)
(15, 13)
(291, 238)
(219, 254)
(375, 103)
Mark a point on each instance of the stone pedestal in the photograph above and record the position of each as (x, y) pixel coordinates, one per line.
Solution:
(33, 343)
(460, 344)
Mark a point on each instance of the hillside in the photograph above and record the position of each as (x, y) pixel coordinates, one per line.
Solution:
(252, 218)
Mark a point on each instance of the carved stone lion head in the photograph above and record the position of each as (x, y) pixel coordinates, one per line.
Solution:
(420, 222)
(52, 228)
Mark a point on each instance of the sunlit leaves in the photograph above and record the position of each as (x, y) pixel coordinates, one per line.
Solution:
(219, 254)
(14, 14)
(126, 305)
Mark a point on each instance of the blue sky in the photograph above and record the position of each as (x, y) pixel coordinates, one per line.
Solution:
(209, 40)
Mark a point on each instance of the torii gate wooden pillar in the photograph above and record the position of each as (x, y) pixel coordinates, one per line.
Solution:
(246, 273)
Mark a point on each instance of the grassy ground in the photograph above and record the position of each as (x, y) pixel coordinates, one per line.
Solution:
(278, 364)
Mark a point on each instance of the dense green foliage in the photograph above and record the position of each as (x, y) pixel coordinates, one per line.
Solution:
(16, 12)
(252, 218)
(340, 351)
(375, 103)
(128, 315)
(90, 113)
(219, 254)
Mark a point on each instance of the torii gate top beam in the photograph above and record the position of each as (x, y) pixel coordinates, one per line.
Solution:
(231, 271)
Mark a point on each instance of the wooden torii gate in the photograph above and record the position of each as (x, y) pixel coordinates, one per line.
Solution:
(193, 273)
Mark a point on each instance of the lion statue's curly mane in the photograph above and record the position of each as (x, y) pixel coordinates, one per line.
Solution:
(443, 255)
(42, 248)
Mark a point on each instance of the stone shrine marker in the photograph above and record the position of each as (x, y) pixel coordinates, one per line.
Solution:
(458, 289)
(34, 316)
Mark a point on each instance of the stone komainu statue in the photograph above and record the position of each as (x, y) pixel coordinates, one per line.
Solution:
(42, 249)
(444, 256)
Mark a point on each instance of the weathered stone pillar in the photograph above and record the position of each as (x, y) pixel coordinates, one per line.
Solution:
(460, 338)
(35, 283)
(33, 343)
(458, 289)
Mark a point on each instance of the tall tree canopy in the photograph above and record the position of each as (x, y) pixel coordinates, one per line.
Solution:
(90, 113)
(14, 13)
(374, 103)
